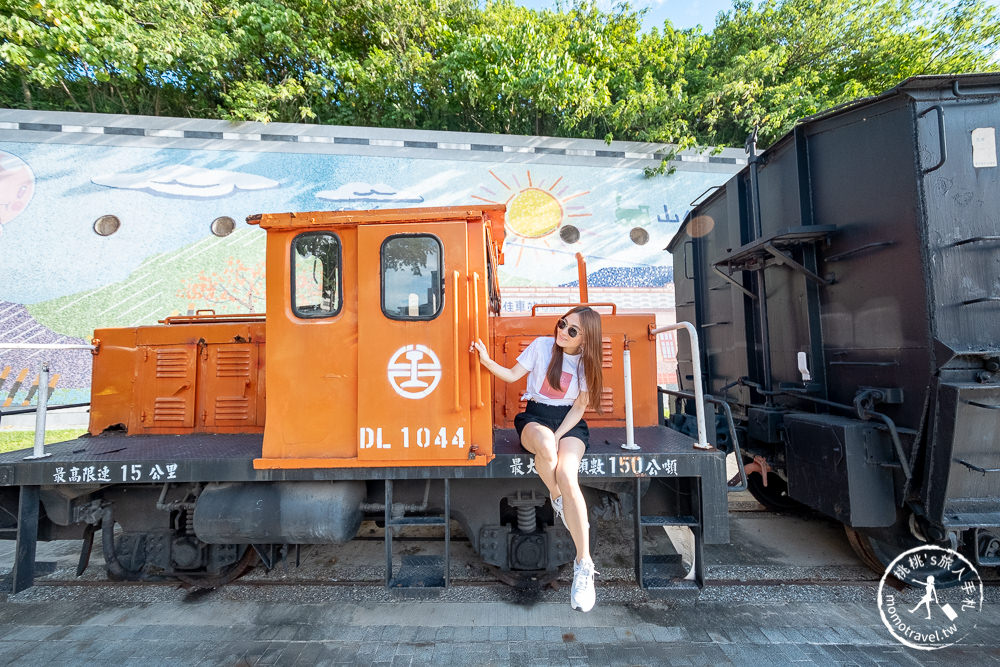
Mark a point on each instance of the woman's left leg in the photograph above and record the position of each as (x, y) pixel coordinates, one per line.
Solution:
(571, 451)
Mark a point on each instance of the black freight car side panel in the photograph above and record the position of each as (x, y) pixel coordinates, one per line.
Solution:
(867, 301)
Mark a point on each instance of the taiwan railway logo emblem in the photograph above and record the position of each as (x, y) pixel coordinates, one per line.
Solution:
(940, 606)
(414, 371)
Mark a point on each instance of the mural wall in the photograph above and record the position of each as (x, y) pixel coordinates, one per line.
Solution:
(101, 229)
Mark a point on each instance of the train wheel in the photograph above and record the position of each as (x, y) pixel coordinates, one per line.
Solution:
(877, 553)
(774, 496)
(232, 572)
(872, 552)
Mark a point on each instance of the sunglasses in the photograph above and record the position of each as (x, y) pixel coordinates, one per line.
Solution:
(572, 331)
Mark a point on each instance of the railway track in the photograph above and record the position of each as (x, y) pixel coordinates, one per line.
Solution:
(612, 580)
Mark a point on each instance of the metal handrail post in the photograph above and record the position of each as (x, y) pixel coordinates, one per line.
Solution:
(43, 388)
(699, 394)
(629, 421)
(43, 402)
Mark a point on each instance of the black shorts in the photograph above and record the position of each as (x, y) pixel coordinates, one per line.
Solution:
(551, 416)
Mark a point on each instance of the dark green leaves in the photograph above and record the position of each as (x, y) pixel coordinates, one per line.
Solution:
(483, 67)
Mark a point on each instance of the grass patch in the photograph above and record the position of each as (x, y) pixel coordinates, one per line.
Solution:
(13, 440)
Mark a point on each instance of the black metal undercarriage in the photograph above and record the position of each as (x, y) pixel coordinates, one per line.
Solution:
(193, 507)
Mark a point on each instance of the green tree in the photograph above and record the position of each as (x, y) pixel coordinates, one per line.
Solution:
(140, 56)
(482, 65)
(768, 65)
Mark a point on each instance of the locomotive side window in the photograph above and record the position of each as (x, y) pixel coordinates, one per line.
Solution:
(411, 277)
(316, 289)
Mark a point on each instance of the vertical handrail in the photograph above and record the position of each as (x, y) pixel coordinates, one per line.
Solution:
(458, 396)
(942, 141)
(475, 328)
(447, 532)
(43, 388)
(388, 532)
(699, 394)
(43, 404)
(629, 424)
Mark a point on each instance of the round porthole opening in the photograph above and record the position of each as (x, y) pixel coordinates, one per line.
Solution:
(223, 226)
(639, 236)
(700, 226)
(106, 225)
(569, 234)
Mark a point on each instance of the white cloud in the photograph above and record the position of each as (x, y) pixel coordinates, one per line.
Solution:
(184, 181)
(366, 192)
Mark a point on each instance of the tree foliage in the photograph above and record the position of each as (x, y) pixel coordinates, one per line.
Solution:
(770, 64)
(482, 67)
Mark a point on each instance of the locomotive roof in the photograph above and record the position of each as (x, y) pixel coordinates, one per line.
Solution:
(304, 220)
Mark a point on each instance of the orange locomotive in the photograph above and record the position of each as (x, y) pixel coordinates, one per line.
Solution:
(372, 405)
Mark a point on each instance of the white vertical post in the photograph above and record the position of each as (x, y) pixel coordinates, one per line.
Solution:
(41, 406)
(629, 429)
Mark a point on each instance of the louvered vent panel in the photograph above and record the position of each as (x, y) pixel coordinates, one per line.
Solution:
(232, 408)
(606, 359)
(233, 363)
(607, 402)
(171, 363)
(169, 411)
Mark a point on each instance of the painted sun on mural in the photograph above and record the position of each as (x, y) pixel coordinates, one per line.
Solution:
(537, 211)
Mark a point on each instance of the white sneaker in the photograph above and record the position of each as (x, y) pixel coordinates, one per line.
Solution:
(582, 596)
(557, 507)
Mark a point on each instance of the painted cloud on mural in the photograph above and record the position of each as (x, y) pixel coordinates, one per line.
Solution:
(184, 181)
(17, 185)
(366, 192)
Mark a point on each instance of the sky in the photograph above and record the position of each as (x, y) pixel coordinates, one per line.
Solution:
(682, 13)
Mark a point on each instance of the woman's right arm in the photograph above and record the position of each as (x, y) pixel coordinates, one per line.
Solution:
(506, 374)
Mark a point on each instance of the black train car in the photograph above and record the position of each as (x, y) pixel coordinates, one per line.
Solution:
(846, 288)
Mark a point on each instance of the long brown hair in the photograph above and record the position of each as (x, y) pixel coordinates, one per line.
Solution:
(590, 322)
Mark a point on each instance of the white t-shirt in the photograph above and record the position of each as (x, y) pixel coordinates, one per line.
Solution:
(536, 358)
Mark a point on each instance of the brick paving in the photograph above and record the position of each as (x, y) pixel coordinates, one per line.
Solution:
(101, 626)
(278, 618)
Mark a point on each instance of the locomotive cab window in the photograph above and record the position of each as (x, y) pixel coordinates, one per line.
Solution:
(411, 277)
(316, 276)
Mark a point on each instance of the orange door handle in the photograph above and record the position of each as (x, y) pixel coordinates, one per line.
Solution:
(458, 402)
(475, 329)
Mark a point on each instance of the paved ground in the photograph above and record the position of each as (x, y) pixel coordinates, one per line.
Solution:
(749, 613)
(786, 590)
(221, 630)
